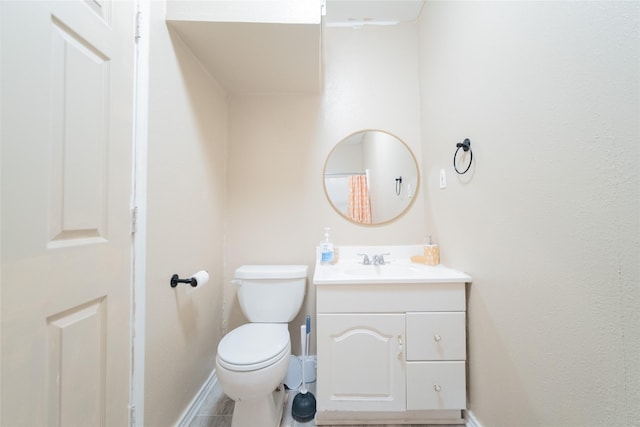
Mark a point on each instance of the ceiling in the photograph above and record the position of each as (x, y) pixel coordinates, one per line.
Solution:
(246, 55)
(255, 57)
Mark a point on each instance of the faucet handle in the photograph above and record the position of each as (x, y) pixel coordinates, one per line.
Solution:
(381, 258)
(365, 260)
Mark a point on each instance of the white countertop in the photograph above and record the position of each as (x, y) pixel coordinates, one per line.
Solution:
(398, 268)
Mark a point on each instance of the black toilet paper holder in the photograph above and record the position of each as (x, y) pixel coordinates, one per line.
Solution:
(175, 280)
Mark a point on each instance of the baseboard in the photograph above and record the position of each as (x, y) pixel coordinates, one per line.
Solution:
(471, 420)
(194, 407)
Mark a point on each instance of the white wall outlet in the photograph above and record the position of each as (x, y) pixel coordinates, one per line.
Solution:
(443, 178)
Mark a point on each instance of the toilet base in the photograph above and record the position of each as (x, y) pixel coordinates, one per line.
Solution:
(265, 411)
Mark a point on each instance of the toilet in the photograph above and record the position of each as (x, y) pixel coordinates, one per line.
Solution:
(252, 359)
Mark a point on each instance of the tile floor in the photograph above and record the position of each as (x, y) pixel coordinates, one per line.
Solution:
(217, 409)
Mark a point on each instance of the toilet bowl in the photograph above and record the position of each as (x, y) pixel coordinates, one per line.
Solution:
(248, 364)
(252, 360)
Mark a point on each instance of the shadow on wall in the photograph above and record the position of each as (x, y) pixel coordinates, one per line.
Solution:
(187, 312)
(506, 375)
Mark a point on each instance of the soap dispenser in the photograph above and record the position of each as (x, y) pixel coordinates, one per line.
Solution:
(326, 248)
(431, 253)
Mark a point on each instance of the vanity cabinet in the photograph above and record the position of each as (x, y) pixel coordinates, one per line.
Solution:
(392, 353)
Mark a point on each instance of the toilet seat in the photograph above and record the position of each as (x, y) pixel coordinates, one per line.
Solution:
(254, 346)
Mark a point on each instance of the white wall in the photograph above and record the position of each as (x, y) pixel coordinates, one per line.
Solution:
(547, 219)
(186, 184)
(387, 160)
(276, 206)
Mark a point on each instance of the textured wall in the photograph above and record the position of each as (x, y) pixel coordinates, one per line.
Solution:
(186, 174)
(547, 219)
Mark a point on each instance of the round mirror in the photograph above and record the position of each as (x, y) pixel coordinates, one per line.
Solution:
(371, 177)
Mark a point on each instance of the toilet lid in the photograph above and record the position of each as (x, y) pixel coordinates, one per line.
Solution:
(253, 346)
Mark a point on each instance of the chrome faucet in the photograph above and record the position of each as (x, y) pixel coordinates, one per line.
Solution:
(379, 259)
(376, 259)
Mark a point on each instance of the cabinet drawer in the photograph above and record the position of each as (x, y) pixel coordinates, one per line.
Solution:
(390, 298)
(436, 385)
(436, 336)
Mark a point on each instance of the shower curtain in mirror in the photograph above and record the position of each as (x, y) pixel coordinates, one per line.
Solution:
(359, 203)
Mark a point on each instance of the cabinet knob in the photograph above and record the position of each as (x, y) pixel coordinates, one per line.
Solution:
(437, 387)
(437, 337)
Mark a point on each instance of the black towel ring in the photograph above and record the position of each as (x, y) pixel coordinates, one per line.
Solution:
(466, 146)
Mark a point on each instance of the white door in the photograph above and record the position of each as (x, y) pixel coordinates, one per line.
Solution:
(66, 135)
(361, 362)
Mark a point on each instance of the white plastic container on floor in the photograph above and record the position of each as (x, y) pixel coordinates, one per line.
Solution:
(310, 369)
(293, 379)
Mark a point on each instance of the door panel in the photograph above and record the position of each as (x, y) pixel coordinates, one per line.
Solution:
(361, 362)
(76, 355)
(66, 105)
(79, 141)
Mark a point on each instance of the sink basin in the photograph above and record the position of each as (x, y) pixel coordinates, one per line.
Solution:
(398, 268)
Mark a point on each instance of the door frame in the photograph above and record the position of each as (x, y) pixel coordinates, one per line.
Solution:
(139, 212)
(1, 285)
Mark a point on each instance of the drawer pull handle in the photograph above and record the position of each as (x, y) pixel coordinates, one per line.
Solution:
(437, 337)
(437, 387)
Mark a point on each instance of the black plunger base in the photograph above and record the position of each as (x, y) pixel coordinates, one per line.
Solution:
(303, 408)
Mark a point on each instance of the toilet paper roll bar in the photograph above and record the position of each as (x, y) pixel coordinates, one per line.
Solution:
(199, 278)
(175, 279)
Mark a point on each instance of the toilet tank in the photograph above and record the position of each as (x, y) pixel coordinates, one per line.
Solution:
(271, 293)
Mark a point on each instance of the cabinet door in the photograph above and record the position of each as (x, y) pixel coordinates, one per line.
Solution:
(361, 362)
(436, 385)
(436, 336)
